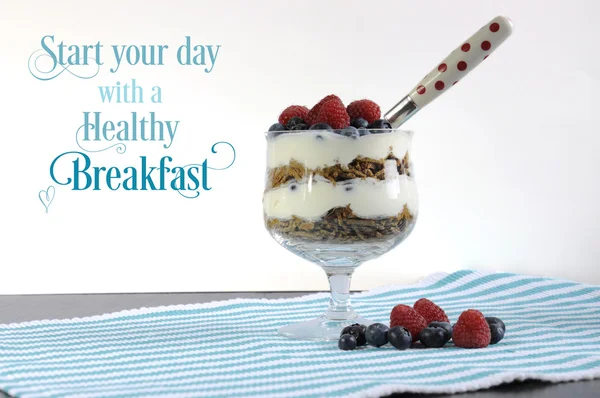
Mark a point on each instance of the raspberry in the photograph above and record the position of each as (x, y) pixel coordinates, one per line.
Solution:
(430, 311)
(365, 109)
(334, 114)
(471, 330)
(293, 111)
(403, 315)
(311, 118)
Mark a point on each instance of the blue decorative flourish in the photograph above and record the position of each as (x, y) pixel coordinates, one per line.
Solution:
(46, 196)
(120, 147)
(58, 69)
(213, 150)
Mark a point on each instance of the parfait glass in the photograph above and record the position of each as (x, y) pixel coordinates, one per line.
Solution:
(338, 201)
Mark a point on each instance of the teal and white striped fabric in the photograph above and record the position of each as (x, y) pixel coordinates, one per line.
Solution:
(231, 348)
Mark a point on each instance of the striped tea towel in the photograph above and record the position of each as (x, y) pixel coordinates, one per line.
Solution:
(230, 348)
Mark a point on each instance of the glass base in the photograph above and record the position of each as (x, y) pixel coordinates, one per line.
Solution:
(320, 329)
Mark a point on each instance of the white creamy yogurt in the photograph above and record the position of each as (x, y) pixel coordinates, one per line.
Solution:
(323, 148)
(368, 198)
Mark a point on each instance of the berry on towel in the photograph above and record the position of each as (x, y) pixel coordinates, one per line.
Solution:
(496, 332)
(493, 319)
(400, 337)
(444, 325)
(497, 329)
(471, 330)
(377, 334)
(430, 311)
(433, 337)
(403, 315)
(347, 342)
(358, 331)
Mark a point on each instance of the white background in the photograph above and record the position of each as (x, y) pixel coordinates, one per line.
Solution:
(507, 161)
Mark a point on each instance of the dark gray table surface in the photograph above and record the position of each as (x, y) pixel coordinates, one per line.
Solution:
(17, 308)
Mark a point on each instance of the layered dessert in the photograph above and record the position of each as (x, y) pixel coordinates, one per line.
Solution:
(335, 176)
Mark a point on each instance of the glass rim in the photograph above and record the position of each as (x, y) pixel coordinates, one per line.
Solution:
(409, 133)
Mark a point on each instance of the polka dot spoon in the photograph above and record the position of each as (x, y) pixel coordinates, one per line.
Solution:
(449, 72)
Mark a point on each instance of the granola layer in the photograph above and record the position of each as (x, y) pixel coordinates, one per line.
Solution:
(360, 167)
(341, 225)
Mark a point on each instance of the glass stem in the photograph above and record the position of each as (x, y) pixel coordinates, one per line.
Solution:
(339, 303)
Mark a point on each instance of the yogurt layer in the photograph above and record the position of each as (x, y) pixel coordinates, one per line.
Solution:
(368, 198)
(323, 148)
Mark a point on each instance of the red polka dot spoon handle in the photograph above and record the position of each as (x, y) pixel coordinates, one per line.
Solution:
(452, 69)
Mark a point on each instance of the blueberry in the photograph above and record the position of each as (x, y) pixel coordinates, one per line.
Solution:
(296, 123)
(347, 342)
(277, 127)
(493, 320)
(295, 120)
(348, 189)
(378, 125)
(298, 127)
(350, 132)
(497, 333)
(363, 131)
(359, 122)
(348, 330)
(444, 325)
(358, 331)
(377, 334)
(400, 337)
(293, 187)
(433, 337)
(321, 126)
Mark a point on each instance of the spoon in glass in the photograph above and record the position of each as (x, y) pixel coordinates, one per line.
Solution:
(452, 69)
